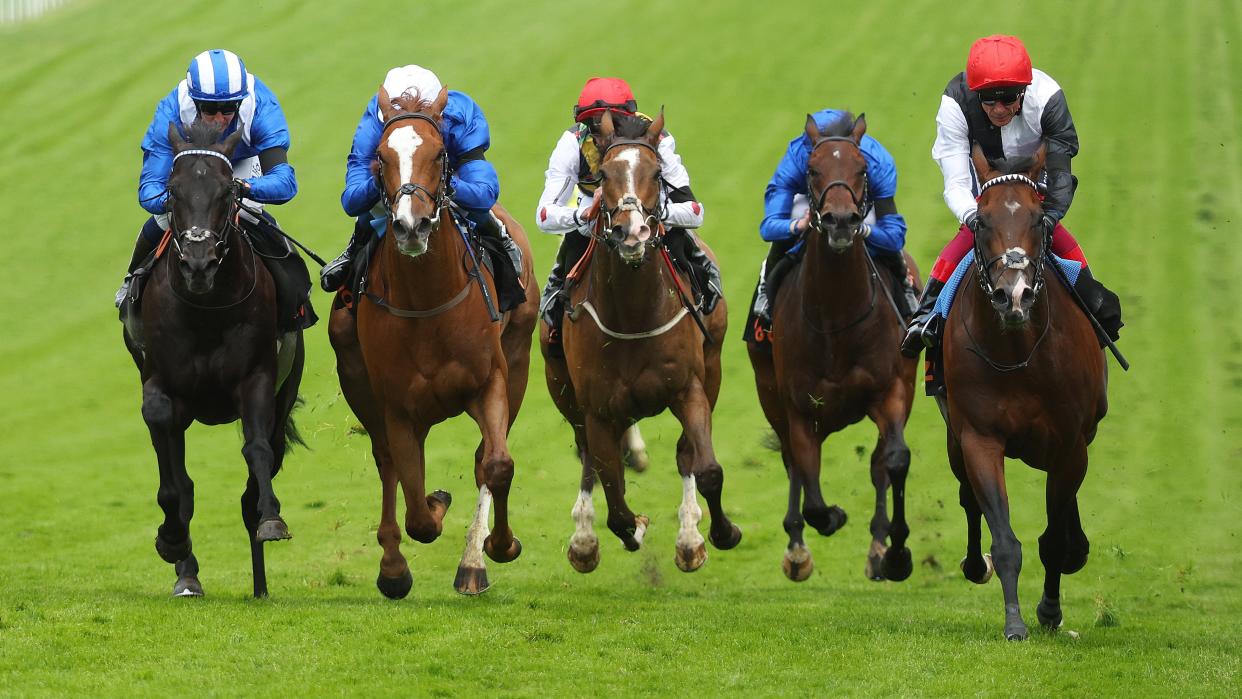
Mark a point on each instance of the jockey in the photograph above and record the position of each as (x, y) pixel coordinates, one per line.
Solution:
(575, 162)
(787, 216)
(474, 183)
(218, 90)
(1009, 109)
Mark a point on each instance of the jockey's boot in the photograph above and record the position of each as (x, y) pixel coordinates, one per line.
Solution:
(508, 284)
(493, 227)
(904, 296)
(142, 248)
(705, 270)
(909, 301)
(552, 303)
(1101, 303)
(763, 304)
(333, 274)
(924, 328)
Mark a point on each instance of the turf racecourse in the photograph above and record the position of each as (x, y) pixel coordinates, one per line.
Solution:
(84, 606)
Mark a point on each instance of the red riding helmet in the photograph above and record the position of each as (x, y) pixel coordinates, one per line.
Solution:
(997, 61)
(601, 94)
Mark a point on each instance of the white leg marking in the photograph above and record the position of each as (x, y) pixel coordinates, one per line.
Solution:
(405, 140)
(689, 514)
(584, 538)
(472, 557)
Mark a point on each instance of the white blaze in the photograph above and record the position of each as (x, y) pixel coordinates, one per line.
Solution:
(404, 141)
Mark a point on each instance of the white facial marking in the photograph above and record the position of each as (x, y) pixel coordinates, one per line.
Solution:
(836, 153)
(630, 157)
(472, 557)
(404, 140)
(1015, 296)
(1013, 206)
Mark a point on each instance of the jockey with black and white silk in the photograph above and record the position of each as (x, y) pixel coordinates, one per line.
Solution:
(216, 89)
(474, 183)
(569, 191)
(1009, 109)
(786, 219)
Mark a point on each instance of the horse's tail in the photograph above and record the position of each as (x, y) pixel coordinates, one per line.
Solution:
(292, 436)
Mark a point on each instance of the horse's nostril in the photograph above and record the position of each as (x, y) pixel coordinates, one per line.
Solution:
(1028, 297)
(999, 297)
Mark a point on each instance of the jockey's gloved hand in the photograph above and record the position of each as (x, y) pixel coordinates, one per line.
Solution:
(973, 223)
(241, 189)
(1047, 223)
(586, 212)
(864, 229)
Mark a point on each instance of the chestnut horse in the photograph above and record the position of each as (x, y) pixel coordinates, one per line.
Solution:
(1025, 379)
(423, 349)
(834, 358)
(631, 351)
(204, 337)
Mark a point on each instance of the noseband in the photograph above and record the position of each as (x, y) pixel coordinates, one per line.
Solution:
(437, 199)
(861, 201)
(1013, 258)
(654, 218)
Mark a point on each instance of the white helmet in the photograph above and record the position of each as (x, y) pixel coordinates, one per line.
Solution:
(412, 80)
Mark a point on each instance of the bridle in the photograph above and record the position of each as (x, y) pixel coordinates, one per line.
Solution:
(629, 203)
(861, 201)
(1014, 258)
(194, 234)
(437, 199)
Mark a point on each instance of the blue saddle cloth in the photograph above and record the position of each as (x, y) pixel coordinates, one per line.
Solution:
(1069, 270)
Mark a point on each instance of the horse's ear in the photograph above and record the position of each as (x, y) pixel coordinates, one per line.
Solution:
(860, 128)
(606, 128)
(812, 129)
(656, 128)
(386, 109)
(437, 107)
(174, 138)
(1037, 167)
(230, 143)
(983, 168)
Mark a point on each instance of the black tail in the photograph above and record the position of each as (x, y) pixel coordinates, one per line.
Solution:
(292, 436)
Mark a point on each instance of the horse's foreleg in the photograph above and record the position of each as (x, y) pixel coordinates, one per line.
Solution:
(691, 552)
(583, 549)
(1060, 550)
(797, 563)
(890, 464)
(985, 467)
(256, 405)
(495, 471)
(804, 450)
(394, 580)
(976, 566)
(424, 514)
(696, 458)
(604, 456)
(176, 490)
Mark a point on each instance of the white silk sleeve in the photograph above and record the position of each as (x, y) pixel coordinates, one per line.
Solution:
(555, 213)
(952, 152)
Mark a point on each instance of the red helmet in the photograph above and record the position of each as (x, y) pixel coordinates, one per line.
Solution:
(601, 94)
(997, 61)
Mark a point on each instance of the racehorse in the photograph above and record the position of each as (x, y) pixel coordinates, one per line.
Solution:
(1025, 378)
(631, 351)
(206, 343)
(834, 358)
(423, 348)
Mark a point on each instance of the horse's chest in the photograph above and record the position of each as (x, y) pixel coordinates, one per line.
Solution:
(640, 389)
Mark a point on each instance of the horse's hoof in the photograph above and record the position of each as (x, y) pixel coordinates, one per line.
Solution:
(509, 554)
(471, 581)
(443, 496)
(395, 588)
(585, 558)
(875, 567)
(1049, 613)
(826, 521)
(690, 558)
(272, 530)
(187, 587)
(1016, 632)
(724, 543)
(978, 574)
(797, 563)
(172, 553)
(897, 564)
(634, 541)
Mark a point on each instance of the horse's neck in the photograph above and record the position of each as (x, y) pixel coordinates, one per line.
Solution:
(440, 267)
(836, 286)
(625, 294)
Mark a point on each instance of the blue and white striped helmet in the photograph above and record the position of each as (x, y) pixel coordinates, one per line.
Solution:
(217, 76)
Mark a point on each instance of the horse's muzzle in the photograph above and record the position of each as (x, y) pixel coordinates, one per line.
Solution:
(1014, 303)
(412, 237)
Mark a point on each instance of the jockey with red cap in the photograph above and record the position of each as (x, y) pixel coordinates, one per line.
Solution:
(1009, 109)
(574, 165)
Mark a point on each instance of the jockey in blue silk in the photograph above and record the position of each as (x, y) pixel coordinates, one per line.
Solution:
(217, 89)
(474, 182)
(787, 216)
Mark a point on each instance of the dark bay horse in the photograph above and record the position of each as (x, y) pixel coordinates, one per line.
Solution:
(631, 351)
(423, 349)
(834, 359)
(1025, 379)
(206, 343)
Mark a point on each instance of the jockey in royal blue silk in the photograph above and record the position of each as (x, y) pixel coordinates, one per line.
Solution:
(787, 217)
(216, 89)
(474, 182)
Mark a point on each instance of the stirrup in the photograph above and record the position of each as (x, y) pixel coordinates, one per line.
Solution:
(123, 291)
(333, 274)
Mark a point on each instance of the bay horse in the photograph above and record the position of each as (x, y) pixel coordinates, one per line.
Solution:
(423, 348)
(834, 359)
(1026, 379)
(205, 340)
(630, 352)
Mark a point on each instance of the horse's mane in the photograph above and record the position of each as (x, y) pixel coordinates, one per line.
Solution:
(843, 125)
(629, 126)
(203, 134)
(412, 103)
(1010, 166)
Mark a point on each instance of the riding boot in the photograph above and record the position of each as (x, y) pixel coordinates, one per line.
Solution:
(707, 271)
(333, 274)
(142, 248)
(508, 284)
(493, 227)
(924, 329)
(904, 296)
(1100, 302)
(909, 299)
(552, 303)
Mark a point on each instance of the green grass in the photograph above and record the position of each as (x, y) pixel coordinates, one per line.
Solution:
(84, 606)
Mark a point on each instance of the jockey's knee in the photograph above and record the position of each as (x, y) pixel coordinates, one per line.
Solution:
(152, 231)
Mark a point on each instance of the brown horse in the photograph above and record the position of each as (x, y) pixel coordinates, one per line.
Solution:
(631, 351)
(1025, 379)
(834, 358)
(206, 340)
(423, 349)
